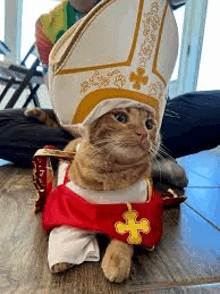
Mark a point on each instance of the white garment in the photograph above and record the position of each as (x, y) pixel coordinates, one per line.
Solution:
(73, 246)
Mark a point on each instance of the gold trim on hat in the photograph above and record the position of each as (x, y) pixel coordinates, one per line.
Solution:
(88, 103)
(128, 62)
(154, 69)
(97, 67)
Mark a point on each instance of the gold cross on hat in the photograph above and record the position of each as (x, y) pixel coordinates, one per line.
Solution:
(132, 226)
(138, 78)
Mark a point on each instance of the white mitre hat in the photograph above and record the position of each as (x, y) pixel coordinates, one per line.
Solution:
(121, 54)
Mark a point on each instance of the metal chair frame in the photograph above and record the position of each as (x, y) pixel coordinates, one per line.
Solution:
(21, 77)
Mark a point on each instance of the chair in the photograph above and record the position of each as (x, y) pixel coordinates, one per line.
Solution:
(22, 77)
(4, 48)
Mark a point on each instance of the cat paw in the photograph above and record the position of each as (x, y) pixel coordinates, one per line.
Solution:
(116, 267)
(61, 267)
(29, 112)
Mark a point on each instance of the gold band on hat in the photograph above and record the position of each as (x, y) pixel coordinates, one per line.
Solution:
(91, 100)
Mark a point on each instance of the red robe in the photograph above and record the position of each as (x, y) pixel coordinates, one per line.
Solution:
(66, 208)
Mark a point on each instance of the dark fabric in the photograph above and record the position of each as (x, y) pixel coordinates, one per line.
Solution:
(174, 7)
(191, 124)
(21, 137)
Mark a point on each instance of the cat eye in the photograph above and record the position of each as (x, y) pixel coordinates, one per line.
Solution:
(121, 117)
(149, 124)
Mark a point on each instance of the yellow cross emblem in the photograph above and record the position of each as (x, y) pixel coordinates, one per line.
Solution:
(138, 78)
(132, 226)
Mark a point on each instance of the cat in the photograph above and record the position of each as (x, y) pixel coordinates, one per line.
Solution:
(117, 151)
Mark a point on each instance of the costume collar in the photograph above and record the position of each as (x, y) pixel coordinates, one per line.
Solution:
(134, 193)
(139, 192)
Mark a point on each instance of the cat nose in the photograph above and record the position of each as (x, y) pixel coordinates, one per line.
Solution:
(141, 135)
(141, 132)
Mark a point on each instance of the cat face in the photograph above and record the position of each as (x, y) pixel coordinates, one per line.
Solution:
(128, 134)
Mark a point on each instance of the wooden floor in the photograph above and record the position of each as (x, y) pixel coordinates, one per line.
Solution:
(187, 260)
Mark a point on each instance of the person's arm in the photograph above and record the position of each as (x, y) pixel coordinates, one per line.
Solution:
(51, 26)
(43, 43)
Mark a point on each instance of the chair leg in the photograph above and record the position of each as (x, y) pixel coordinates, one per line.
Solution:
(36, 101)
(22, 86)
(33, 97)
(7, 87)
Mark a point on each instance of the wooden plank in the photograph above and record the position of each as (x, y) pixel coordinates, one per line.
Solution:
(6, 171)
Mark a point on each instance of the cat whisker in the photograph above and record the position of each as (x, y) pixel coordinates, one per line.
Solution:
(113, 150)
(94, 151)
(159, 157)
(171, 113)
(97, 150)
(174, 176)
(163, 146)
(154, 149)
(164, 153)
(157, 162)
(160, 154)
(101, 142)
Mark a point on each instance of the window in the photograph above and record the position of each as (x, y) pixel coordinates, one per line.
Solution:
(30, 13)
(2, 23)
(191, 24)
(179, 16)
(209, 72)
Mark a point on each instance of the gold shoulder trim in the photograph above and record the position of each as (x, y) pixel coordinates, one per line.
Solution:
(149, 189)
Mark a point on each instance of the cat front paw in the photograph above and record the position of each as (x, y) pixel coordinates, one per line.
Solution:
(115, 268)
(61, 267)
(116, 263)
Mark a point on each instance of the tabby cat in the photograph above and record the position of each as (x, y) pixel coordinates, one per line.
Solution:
(117, 152)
